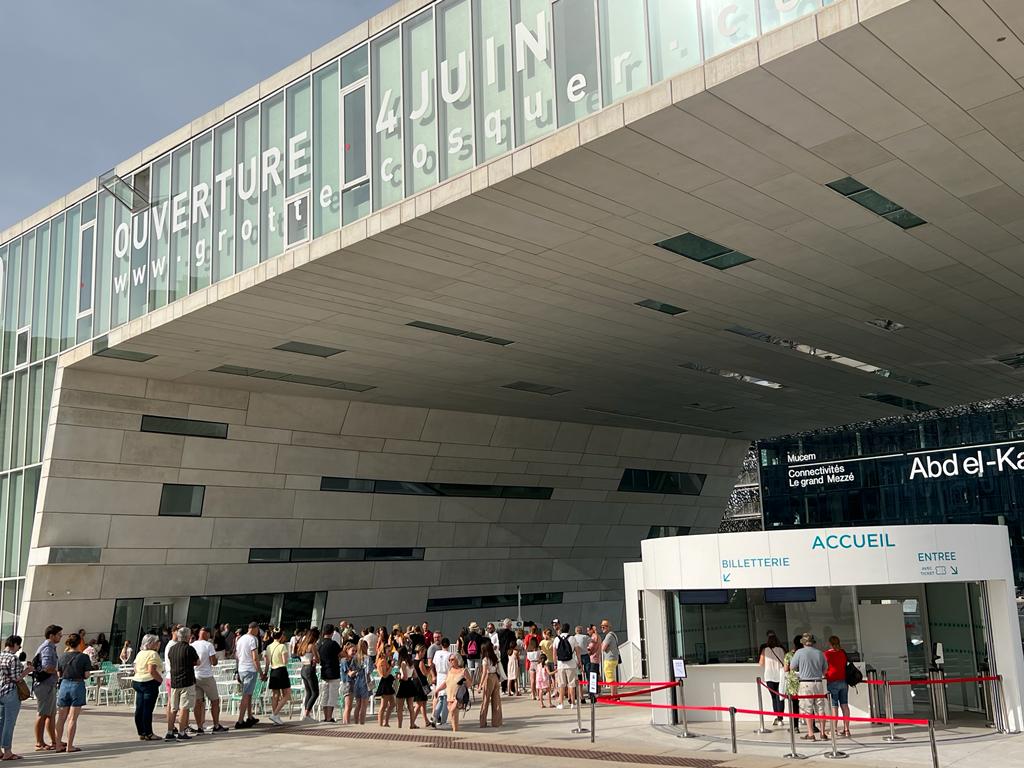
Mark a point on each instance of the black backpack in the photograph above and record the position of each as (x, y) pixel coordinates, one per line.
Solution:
(854, 677)
(38, 675)
(462, 694)
(564, 649)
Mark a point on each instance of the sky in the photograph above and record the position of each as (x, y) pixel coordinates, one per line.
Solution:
(85, 84)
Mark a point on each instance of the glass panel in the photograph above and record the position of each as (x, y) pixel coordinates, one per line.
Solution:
(138, 303)
(4, 335)
(674, 31)
(420, 100)
(355, 202)
(386, 112)
(181, 500)
(69, 302)
(202, 226)
(120, 283)
(297, 219)
(534, 77)
(454, 51)
(20, 421)
(15, 500)
(159, 264)
(6, 423)
(298, 136)
(775, 14)
(239, 610)
(272, 173)
(224, 201)
(126, 625)
(354, 67)
(12, 287)
(55, 286)
(247, 147)
(624, 66)
(355, 135)
(103, 268)
(326, 155)
(49, 374)
(297, 610)
(576, 61)
(727, 23)
(492, 83)
(28, 271)
(42, 262)
(10, 608)
(949, 623)
(181, 175)
(27, 516)
(4, 511)
(34, 410)
(202, 611)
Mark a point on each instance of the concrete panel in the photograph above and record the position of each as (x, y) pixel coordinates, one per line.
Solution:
(100, 497)
(86, 443)
(151, 448)
(384, 421)
(156, 533)
(232, 455)
(344, 577)
(341, 533)
(306, 414)
(248, 502)
(524, 433)
(71, 530)
(247, 532)
(121, 580)
(456, 427)
(332, 505)
(413, 508)
(264, 577)
(298, 460)
(393, 466)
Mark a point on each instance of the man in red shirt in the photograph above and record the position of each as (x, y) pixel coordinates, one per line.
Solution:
(428, 636)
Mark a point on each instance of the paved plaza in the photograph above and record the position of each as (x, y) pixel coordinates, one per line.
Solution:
(624, 737)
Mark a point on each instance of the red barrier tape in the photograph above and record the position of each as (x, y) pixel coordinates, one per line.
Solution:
(635, 684)
(947, 680)
(644, 692)
(880, 720)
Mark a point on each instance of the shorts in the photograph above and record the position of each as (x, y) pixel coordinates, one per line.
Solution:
(810, 706)
(206, 688)
(183, 698)
(71, 694)
(331, 690)
(46, 698)
(839, 692)
(248, 680)
(279, 679)
(567, 677)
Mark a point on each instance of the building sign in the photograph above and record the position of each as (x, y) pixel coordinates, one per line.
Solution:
(453, 86)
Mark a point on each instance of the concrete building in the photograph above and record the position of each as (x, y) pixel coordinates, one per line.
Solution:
(452, 306)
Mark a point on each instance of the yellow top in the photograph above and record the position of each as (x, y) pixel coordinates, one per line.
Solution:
(278, 653)
(142, 664)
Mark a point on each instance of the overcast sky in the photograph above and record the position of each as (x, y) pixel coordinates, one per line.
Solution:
(85, 84)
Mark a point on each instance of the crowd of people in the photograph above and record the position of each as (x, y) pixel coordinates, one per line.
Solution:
(420, 675)
(812, 677)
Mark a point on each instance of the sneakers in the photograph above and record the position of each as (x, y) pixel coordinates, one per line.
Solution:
(559, 706)
(242, 725)
(309, 719)
(217, 729)
(184, 737)
(251, 721)
(193, 731)
(276, 720)
(170, 736)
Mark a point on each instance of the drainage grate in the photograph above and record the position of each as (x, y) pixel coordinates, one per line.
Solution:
(449, 742)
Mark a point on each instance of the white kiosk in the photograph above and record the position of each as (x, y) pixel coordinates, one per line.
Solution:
(901, 598)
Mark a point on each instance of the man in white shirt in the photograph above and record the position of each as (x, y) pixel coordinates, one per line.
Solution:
(206, 684)
(567, 654)
(441, 664)
(167, 664)
(247, 653)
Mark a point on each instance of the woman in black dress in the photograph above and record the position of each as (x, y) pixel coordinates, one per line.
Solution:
(422, 682)
(407, 686)
(385, 689)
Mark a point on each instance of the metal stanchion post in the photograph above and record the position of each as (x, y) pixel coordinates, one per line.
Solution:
(986, 695)
(889, 710)
(593, 717)
(760, 708)
(732, 727)
(835, 754)
(682, 703)
(933, 691)
(943, 700)
(793, 754)
(872, 693)
(931, 740)
(579, 716)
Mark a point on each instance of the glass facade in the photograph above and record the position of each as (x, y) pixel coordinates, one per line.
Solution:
(457, 84)
(961, 465)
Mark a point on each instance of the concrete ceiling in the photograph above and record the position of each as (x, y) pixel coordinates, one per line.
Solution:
(923, 103)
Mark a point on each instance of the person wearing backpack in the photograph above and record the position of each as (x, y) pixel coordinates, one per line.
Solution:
(456, 687)
(838, 688)
(473, 641)
(568, 668)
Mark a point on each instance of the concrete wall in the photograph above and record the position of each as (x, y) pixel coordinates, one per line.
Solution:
(102, 477)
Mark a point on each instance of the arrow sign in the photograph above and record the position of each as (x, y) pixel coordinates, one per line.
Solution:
(726, 576)
(954, 570)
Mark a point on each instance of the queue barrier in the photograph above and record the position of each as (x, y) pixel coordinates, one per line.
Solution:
(644, 688)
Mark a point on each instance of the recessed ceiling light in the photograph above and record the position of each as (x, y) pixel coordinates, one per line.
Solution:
(660, 306)
(824, 354)
(700, 249)
(294, 378)
(725, 374)
(886, 325)
(538, 389)
(303, 348)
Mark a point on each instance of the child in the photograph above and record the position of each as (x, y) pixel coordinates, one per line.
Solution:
(513, 672)
(543, 679)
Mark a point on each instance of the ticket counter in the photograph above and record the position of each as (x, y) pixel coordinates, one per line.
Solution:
(903, 600)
